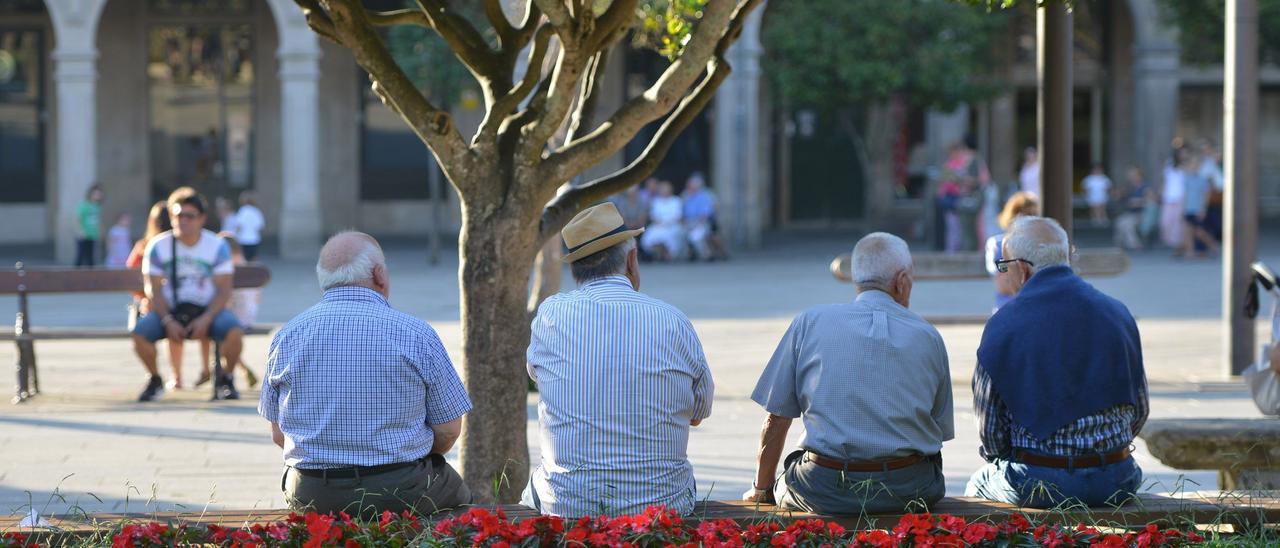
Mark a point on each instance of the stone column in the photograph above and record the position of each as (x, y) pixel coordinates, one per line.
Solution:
(1155, 89)
(75, 75)
(1005, 149)
(736, 174)
(300, 152)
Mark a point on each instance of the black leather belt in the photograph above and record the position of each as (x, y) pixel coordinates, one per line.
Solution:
(1083, 461)
(357, 471)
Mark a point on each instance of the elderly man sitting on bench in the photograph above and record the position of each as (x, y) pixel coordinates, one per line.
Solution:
(871, 383)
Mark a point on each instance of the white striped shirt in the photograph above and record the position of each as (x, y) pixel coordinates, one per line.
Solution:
(621, 375)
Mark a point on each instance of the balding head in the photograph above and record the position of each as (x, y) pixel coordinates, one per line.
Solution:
(882, 262)
(1039, 240)
(351, 259)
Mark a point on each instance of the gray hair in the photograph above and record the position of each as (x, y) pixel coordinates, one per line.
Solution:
(877, 258)
(609, 261)
(353, 265)
(1040, 240)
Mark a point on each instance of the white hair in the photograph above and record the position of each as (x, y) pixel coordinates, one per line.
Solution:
(358, 269)
(877, 258)
(1039, 240)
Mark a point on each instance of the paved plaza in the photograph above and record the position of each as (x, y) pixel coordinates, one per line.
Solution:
(85, 444)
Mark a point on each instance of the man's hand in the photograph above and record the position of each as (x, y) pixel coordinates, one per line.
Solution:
(199, 327)
(760, 496)
(173, 330)
(695, 422)
(1274, 357)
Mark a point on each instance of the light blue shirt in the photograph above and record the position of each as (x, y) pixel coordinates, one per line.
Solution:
(620, 376)
(869, 380)
(353, 382)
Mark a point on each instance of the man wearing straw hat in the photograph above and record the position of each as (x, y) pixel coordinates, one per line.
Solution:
(622, 378)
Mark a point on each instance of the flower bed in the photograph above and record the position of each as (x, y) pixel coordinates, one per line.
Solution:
(654, 527)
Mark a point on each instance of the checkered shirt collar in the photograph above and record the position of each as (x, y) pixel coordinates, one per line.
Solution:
(351, 293)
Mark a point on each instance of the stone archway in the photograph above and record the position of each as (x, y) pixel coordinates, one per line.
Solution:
(76, 24)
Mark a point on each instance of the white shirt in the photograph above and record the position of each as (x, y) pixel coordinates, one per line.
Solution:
(1096, 187)
(1030, 178)
(1174, 186)
(249, 224)
(197, 266)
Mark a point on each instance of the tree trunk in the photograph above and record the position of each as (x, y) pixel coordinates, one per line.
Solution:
(496, 249)
(881, 130)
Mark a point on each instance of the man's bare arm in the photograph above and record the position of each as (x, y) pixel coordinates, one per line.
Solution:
(446, 435)
(277, 435)
(773, 435)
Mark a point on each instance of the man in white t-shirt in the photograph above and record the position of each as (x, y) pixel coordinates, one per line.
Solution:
(197, 306)
(1097, 192)
(248, 226)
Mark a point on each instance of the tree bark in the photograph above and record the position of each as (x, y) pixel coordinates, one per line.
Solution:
(496, 249)
(881, 129)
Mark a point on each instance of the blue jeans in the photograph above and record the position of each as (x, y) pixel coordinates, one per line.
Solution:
(812, 488)
(1042, 487)
(152, 329)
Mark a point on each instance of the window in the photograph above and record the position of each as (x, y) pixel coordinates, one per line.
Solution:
(21, 115)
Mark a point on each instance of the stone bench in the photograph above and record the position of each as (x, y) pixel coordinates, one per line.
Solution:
(1245, 452)
(1240, 510)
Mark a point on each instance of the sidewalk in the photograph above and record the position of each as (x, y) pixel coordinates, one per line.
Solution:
(85, 444)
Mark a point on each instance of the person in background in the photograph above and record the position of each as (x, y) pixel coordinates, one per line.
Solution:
(1097, 193)
(88, 226)
(1211, 170)
(1195, 208)
(226, 215)
(158, 222)
(1136, 197)
(1029, 177)
(700, 219)
(1172, 195)
(1018, 205)
(249, 224)
(664, 239)
(633, 207)
(244, 302)
(118, 241)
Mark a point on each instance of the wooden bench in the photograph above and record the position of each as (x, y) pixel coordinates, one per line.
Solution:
(1240, 510)
(1245, 452)
(22, 281)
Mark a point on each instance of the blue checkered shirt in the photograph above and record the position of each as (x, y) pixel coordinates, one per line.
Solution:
(620, 375)
(353, 382)
(1110, 430)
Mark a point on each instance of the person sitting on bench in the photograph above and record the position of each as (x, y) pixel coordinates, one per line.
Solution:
(193, 267)
(362, 398)
(1059, 391)
(871, 382)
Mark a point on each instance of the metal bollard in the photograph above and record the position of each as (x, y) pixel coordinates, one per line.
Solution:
(28, 380)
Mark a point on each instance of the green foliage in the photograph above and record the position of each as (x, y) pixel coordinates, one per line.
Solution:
(427, 59)
(836, 53)
(666, 25)
(1202, 28)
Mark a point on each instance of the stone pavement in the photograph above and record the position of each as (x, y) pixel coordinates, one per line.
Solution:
(84, 443)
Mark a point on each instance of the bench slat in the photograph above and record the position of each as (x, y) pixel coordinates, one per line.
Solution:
(103, 280)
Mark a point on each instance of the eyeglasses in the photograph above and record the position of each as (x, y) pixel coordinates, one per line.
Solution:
(1003, 264)
(186, 215)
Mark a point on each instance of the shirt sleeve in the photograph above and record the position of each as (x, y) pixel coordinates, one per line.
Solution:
(152, 265)
(222, 264)
(269, 401)
(446, 397)
(776, 389)
(943, 405)
(704, 388)
(993, 418)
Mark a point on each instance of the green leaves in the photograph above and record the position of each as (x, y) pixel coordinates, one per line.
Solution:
(1202, 29)
(836, 53)
(665, 26)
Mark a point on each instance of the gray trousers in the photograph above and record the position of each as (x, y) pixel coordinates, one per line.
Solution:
(815, 489)
(427, 487)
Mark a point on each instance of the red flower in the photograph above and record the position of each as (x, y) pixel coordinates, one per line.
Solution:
(978, 532)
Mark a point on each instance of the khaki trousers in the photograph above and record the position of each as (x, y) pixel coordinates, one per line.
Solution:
(427, 487)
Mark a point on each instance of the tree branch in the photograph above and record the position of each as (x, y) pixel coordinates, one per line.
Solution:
(505, 105)
(719, 27)
(618, 16)
(433, 125)
(466, 42)
(498, 19)
(564, 206)
(589, 96)
(318, 20)
(556, 102)
(398, 17)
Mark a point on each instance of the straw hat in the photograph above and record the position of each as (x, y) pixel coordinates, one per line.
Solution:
(594, 229)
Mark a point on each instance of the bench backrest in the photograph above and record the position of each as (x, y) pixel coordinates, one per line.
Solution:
(101, 280)
(972, 265)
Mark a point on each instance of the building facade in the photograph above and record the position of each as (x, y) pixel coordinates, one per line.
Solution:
(143, 96)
